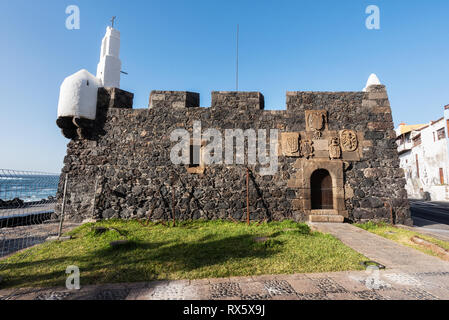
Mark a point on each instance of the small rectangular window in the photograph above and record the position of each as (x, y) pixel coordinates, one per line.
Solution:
(417, 141)
(441, 133)
(196, 163)
(195, 156)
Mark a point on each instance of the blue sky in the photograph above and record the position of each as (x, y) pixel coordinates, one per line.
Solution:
(190, 45)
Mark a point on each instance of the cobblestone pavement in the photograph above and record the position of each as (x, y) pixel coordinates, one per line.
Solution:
(409, 275)
(317, 286)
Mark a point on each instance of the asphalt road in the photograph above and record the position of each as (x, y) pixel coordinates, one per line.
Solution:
(430, 215)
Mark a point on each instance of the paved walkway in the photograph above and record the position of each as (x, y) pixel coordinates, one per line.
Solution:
(382, 250)
(410, 275)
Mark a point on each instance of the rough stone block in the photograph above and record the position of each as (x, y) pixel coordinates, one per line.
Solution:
(376, 88)
(321, 154)
(324, 212)
(378, 126)
(158, 97)
(321, 145)
(174, 99)
(318, 218)
(351, 156)
(382, 110)
(367, 143)
(114, 98)
(378, 95)
(370, 103)
(238, 100)
(293, 183)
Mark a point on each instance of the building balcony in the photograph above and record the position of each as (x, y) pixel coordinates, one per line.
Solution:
(402, 148)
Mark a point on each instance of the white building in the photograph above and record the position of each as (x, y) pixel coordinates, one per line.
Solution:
(423, 154)
(78, 93)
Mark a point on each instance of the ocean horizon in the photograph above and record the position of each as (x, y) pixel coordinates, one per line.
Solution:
(28, 188)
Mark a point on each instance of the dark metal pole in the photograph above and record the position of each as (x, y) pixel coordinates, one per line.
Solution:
(247, 196)
(173, 206)
(95, 197)
(63, 205)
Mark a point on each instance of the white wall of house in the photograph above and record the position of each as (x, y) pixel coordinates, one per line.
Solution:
(423, 155)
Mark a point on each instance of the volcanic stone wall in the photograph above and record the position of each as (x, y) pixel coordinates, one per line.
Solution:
(123, 169)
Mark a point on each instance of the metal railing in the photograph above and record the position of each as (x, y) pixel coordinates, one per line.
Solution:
(27, 204)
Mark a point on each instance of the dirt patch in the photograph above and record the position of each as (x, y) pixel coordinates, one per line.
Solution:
(441, 252)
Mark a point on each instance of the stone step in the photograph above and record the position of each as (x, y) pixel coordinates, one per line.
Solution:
(326, 218)
(325, 212)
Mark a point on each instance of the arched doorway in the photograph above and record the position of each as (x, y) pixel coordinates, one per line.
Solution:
(321, 190)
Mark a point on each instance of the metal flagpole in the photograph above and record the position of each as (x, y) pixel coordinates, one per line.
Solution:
(237, 63)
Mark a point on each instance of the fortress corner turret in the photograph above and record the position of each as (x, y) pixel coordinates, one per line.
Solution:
(78, 95)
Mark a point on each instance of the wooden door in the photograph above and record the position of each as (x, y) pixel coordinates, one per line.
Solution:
(321, 189)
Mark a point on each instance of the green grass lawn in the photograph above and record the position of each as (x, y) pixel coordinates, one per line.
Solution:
(402, 236)
(191, 250)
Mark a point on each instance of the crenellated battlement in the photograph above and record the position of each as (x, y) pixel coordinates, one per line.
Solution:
(253, 100)
(174, 99)
(238, 99)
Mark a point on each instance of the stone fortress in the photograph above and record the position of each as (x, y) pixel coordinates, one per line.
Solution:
(337, 156)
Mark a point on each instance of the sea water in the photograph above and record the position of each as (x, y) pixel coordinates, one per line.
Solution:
(28, 188)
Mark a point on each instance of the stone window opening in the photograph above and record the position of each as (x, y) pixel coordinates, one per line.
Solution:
(196, 161)
(195, 155)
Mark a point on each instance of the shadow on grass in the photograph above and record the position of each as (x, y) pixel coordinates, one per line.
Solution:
(192, 255)
(140, 261)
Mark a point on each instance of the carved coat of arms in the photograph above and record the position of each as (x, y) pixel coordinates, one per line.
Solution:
(348, 140)
(316, 121)
(334, 148)
(290, 144)
(307, 148)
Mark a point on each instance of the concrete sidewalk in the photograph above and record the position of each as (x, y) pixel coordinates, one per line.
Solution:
(387, 252)
(410, 275)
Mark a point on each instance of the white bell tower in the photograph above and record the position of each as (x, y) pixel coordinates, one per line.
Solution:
(109, 67)
(372, 80)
